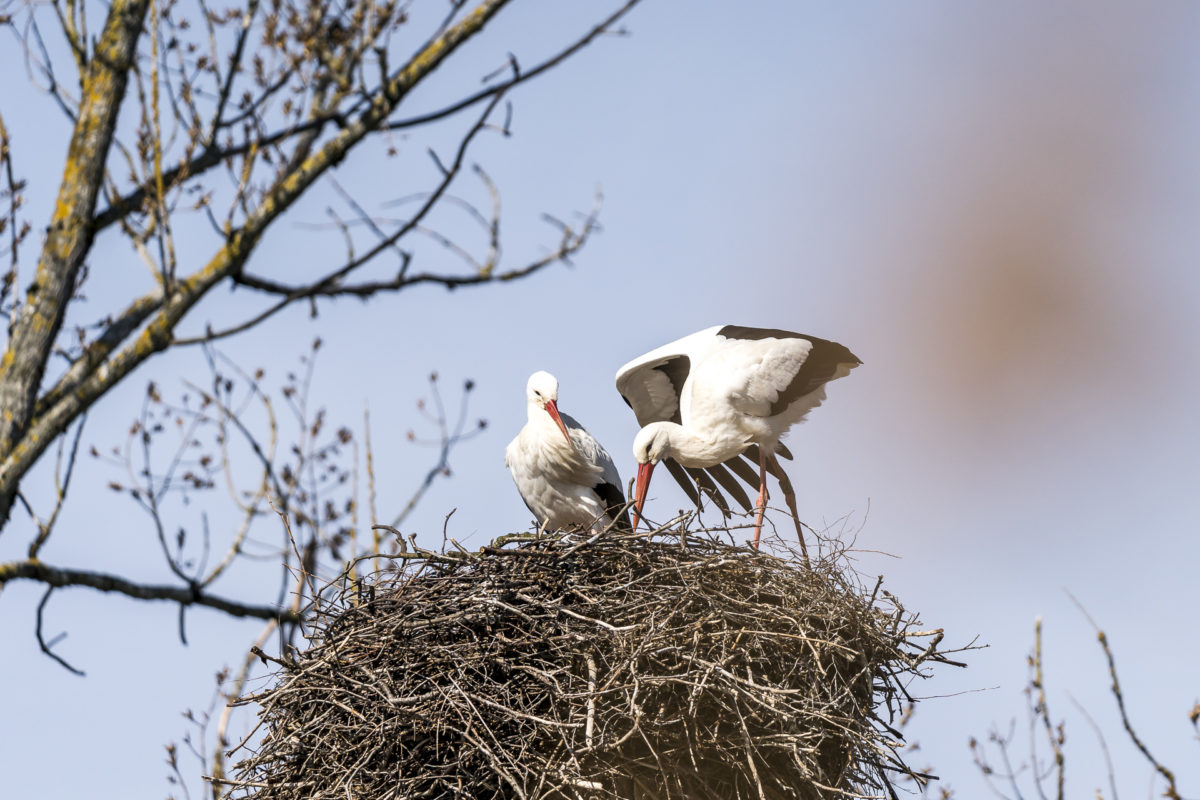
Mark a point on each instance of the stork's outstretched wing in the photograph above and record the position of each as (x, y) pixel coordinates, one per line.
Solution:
(792, 368)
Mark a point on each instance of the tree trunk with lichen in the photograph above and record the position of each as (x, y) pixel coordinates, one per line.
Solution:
(69, 235)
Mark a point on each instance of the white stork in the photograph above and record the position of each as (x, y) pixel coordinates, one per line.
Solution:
(563, 474)
(709, 399)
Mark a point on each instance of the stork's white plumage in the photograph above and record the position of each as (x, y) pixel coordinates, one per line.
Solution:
(707, 401)
(564, 475)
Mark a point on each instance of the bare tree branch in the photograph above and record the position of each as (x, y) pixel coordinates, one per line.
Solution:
(1033, 774)
(47, 647)
(1171, 792)
(58, 577)
(69, 235)
(518, 76)
(17, 387)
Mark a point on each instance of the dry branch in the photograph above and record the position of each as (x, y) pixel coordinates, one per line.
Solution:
(57, 577)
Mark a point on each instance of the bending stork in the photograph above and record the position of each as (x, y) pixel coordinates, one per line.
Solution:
(709, 399)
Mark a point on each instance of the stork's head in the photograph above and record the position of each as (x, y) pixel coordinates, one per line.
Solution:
(542, 392)
(651, 445)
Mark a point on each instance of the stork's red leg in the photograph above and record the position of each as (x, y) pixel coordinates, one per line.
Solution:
(761, 504)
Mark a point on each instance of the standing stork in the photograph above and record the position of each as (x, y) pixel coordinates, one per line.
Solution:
(563, 474)
(709, 399)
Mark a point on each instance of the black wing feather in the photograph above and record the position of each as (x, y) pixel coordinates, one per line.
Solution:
(730, 484)
(681, 478)
(705, 484)
(690, 479)
(614, 502)
(745, 467)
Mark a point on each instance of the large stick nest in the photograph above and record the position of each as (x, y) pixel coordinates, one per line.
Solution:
(616, 666)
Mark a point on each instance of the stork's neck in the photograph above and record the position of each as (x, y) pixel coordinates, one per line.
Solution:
(538, 415)
(692, 450)
(542, 425)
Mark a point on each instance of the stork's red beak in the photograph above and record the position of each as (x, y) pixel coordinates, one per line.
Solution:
(639, 493)
(552, 410)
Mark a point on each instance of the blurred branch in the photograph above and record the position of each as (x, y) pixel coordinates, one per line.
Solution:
(94, 355)
(232, 114)
(1171, 791)
(22, 439)
(449, 438)
(274, 98)
(330, 285)
(67, 242)
(518, 76)
(1103, 742)
(213, 155)
(376, 539)
(46, 647)
(239, 686)
(1041, 712)
(1056, 736)
(16, 230)
(253, 508)
(62, 481)
(57, 577)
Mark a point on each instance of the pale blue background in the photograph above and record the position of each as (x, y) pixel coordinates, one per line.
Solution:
(995, 205)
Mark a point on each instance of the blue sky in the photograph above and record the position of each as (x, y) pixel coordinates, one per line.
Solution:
(993, 205)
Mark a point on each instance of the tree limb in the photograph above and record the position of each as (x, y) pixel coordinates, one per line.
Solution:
(69, 235)
(519, 77)
(35, 570)
(213, 155)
